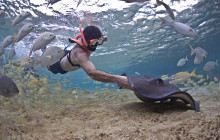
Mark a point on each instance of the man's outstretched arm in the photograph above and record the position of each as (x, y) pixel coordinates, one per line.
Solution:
(101, 76)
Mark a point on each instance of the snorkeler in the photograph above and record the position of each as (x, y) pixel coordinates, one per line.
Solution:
(147, 89)
(78, 57)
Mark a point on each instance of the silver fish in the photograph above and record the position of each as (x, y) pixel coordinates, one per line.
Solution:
(3, 59)
(198, 60)
(179, 28)
(7, 41)
(15, 63)
(24, 31)
(21, 17)
(182, 61)
(168, 9)
(50, 56)
(7, 87)
(2, 50)
(128, 1)
(210, 65)
(11, 53)
(26, 62)
(2, 13)
(199, 52)
(42, 41)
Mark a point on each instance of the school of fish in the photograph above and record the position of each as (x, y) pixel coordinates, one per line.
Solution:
(53, 54)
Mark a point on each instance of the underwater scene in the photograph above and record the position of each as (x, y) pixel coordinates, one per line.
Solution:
(157, 64)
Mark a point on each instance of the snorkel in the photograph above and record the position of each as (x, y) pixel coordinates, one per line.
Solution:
(83, 44)
(82, 35)
(94, 40)
(75, 40)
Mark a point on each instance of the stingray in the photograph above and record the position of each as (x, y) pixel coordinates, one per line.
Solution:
(149, 89)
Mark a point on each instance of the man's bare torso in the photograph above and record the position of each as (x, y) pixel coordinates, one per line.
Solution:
(73, 57)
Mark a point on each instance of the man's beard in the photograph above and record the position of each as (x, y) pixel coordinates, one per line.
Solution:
(92, 48)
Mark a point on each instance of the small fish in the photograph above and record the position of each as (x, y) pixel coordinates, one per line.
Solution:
(7, 41)
(44, 90)
(2, 50)
(207, 77)
(198, 60)
(210, 65)
(11, 53)
(128, 1)
(24, 31)
(201, 81)
(44, 81)
(211, 83)
(52, 2)
(182, 61)
(182, 77)
(3, 59)
(15, 63)
(26, 62)
(200, 76)
(42, 41)
(168, 9)
(50, 56)
(7, 87)
(198, 51)
(2, 12)
(34, 83)
(137, 73)
(165, 77)
(107, 85)
(179, 28)
(21, 17)
(215, 79)
(199, 54)
(206, 83)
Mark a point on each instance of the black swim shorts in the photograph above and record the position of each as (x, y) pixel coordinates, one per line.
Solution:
(56, 68)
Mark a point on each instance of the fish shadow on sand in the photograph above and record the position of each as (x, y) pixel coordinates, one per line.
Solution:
(162, 107)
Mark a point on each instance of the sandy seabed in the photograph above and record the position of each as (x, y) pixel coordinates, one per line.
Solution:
(122, 117)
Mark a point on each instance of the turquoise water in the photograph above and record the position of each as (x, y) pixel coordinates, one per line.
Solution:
(136, 43)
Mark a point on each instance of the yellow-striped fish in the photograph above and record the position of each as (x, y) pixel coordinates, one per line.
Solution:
(182, 77)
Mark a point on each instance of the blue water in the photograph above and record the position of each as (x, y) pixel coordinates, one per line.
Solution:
(136, 43)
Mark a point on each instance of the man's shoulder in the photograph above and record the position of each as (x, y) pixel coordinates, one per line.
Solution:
(79, 52)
